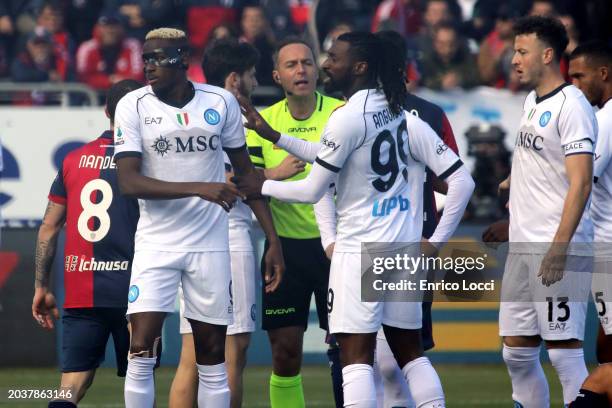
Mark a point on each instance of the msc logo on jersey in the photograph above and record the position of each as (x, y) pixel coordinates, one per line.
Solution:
(202, 144)
(133, 293)
(161, 145)
(384, 208)
(529, 140)
(545, 118)
(212, 117)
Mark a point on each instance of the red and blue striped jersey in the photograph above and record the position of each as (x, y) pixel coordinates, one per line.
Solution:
(435, 117)
(100, 227)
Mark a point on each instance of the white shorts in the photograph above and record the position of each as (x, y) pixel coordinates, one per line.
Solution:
(205, 279)
(243, 298)
(529, 308)
(602, 292)
(349, 314)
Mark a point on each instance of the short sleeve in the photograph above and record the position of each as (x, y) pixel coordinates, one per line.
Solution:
(255, 146)
(602, 147)
(128, 139)
(232, 135)
(426, 147)
(58, 194)
(341, 136)
(577, 123)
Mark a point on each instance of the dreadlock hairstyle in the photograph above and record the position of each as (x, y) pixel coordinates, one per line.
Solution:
(385, 65)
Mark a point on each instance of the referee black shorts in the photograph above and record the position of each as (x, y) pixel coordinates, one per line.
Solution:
(307, 272)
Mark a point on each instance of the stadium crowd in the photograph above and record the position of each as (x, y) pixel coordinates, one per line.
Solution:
(99, 43)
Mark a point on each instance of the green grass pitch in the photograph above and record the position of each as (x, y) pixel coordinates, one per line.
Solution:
(465, 386)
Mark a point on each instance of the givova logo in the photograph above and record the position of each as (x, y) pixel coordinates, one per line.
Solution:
(280, 311)
(384, 207)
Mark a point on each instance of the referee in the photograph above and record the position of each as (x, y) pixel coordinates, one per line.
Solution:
(302, 114)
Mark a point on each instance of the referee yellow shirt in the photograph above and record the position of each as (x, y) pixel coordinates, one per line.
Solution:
(291, 220)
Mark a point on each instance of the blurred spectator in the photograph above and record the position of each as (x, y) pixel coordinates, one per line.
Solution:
(436, 12)
(37, 61)
(163, 13)
(402, 16)
(336, 31)
(109, 57)
(131, 11)
(222, 31)
(256, 30)
(51, 19)
(479, 17)
(18, 16)
(203, 16)
(495, 55)
(450, 65)
(545, 8)
(4, 60)
(81, 17)
(285, 15)
(573, 34)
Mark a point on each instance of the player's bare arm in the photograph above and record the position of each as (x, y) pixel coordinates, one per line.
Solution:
(275, 265)
(579, 169)
(43, 303)
(133, 184)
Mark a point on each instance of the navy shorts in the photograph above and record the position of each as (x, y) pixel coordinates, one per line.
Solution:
(85, 334)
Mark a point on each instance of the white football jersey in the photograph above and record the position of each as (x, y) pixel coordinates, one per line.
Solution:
(601, 198)
(380, 159)
(554, 126)
(180, 145)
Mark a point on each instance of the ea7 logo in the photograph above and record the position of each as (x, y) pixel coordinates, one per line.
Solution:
(329, 143)
(153, 120)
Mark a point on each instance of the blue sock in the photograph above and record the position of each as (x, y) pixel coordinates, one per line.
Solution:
(333, 355)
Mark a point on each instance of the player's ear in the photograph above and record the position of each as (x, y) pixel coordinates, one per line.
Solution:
(548, 56)
(360, 68)
(232, 81)
(276, 77)
(604, 73)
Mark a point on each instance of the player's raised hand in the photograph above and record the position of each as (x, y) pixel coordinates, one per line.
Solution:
(44, 308)
(250, 185)
(275, 267)
(289, 167)
(255, 121)
(224, 194)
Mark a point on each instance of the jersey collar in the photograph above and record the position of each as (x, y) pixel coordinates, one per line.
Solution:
(552, 93)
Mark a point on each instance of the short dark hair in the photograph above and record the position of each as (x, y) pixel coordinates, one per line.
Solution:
(288, 41)
(598, 52)
(118, 91)
(548, 30)
(223, 57)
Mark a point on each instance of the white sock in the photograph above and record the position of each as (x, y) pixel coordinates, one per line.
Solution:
(571, 370)
(529, 385)
(139, 391)
(213, 388)
(358, 386)
(424, 383)
(394, 388)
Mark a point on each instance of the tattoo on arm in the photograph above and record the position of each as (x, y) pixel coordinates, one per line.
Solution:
(45, 251)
